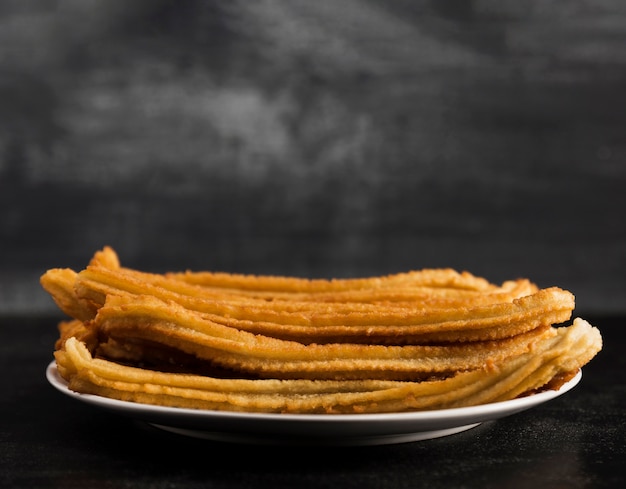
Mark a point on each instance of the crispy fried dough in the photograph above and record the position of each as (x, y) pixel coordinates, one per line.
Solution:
(429, 285)
(505, 312)
(438, 282)
(420, 340)
(59, 283)
(496, 315)
(80, 295)
(321, 323)
(149, 319)
(76, 329)
(96, 281)
(564, 352)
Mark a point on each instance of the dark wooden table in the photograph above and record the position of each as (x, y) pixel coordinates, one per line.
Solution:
(50, 440)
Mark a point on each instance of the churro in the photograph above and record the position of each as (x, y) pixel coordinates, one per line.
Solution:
(425, 339)
(514, 308)
(558, 355)
(147, 319)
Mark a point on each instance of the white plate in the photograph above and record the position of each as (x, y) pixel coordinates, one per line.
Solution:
(312, 429)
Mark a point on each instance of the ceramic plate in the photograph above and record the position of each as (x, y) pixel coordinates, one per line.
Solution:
(312, 429)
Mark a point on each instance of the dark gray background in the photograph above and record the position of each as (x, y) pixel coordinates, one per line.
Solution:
(315, 138)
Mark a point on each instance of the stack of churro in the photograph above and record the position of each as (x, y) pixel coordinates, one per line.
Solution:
(427, 339)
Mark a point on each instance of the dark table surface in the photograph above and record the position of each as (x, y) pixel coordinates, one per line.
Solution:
(50, 440)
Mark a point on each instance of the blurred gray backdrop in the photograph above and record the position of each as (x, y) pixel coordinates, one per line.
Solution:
(320, 139)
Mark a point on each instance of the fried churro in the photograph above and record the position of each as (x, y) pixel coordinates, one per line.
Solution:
(147, 319)
(514, 308)
(424, 339)
(560, 354)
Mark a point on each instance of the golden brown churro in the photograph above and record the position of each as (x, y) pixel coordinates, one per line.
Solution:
(144, 318)
(567, 350)
(418, 340)
(504, 312)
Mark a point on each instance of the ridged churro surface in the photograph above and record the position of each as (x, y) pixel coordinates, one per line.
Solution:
(424, 339)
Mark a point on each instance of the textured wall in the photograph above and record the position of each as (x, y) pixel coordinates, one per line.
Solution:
(315, 138)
